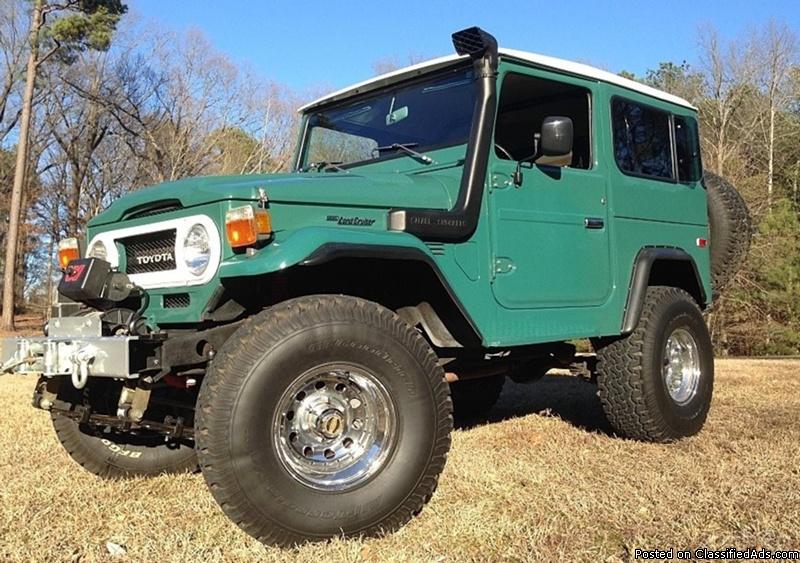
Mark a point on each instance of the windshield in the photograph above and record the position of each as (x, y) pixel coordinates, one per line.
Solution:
(426, 115)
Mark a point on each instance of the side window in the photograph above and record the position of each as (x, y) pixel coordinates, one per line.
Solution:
(641, 139)
(687, 144)
(525, 101)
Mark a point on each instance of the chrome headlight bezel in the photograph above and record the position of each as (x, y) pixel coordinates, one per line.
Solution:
(197, 249)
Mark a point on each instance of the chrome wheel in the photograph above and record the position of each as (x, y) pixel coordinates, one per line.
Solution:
(335, 427)
(681, 367)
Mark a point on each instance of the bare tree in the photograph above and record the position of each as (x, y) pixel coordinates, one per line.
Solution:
(776, 56)
(73, 31)
(78, 126)
(728, 71)
(12, 58)
(188, 110)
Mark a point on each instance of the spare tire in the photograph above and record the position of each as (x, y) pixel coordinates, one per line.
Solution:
(729, 222)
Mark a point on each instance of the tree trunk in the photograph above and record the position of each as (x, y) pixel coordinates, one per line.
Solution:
(15, 212)
(50, 261)
(721, 146)
(771, 155)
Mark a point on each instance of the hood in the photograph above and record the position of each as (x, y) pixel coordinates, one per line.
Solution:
(378, 190)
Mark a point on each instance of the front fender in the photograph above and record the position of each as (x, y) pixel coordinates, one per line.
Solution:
(300, 246)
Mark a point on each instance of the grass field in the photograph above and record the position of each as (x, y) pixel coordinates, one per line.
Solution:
(542, 479)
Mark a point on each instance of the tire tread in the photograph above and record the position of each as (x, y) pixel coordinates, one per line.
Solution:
(225, 378)
(627, 404)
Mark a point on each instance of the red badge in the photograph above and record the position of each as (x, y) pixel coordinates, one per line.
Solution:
(74, 272)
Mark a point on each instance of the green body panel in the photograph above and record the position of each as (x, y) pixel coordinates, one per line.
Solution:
(530, 273)
(353, 189)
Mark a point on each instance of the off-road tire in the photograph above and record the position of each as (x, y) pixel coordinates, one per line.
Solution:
(238, 406)
(630, 383)
(118, 454)
(729, 222)
(476, 397)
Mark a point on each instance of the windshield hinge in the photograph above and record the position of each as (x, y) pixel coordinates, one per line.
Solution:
(263, 200)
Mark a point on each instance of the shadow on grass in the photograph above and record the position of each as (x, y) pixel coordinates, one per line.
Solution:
(572, 399)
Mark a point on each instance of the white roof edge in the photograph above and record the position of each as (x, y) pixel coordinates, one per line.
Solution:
(545, 61)
(587, 71)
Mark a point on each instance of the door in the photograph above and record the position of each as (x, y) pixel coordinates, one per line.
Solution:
(550, 232)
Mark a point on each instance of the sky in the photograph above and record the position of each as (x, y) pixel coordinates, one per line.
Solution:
(308, 44)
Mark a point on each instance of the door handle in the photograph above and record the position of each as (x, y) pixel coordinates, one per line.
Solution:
(593, 223)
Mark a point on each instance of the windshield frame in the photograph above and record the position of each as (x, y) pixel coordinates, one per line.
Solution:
(305, 129)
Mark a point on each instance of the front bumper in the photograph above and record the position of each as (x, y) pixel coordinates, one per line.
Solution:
(104, 356)
(76, 348)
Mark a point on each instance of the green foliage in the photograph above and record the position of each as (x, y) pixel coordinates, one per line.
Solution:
(761, 313)
(776, 265)
(680, 79)
(89, 25)
(235, 150)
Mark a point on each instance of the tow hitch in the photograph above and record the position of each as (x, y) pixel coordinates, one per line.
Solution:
(76, 348)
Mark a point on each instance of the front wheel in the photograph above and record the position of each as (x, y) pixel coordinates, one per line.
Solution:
(656, 383)
(112, 453)
(323, 416)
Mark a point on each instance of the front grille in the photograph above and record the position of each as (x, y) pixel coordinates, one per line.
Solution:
(152, 252)
(176, 300)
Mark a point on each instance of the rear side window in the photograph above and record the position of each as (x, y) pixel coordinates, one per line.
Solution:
(687, 144)
(641, 140)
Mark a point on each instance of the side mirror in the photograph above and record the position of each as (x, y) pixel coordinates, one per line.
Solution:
(556, 137)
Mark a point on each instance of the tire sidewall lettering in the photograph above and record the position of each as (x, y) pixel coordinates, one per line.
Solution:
(116, 449)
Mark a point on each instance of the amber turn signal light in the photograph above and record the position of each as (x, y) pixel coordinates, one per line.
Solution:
(244, 225)
(68, 251)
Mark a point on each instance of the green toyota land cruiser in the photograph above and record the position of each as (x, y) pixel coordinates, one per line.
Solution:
(303, 338)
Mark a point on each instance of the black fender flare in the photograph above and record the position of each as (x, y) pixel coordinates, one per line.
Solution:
(334, 250)
(640, 277)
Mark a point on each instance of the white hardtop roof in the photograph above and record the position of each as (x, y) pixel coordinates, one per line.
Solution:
(553, 63)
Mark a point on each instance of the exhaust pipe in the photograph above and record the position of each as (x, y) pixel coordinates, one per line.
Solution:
(458, 223)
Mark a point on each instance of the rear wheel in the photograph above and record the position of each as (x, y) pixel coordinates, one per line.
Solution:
(656, 383)
(323, 416)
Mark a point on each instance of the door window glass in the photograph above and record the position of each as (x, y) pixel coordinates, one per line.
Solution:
(641, 139)
(687, 144)
(525, 101)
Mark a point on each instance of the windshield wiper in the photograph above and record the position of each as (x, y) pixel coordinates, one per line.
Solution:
(323, 165)
(406, 148)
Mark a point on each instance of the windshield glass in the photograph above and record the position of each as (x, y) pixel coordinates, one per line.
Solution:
(426, 115)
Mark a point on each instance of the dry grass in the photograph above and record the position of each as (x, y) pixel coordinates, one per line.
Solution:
(542, 480)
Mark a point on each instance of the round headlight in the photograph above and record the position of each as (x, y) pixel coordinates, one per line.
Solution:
(98, 250)
(197, 249)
